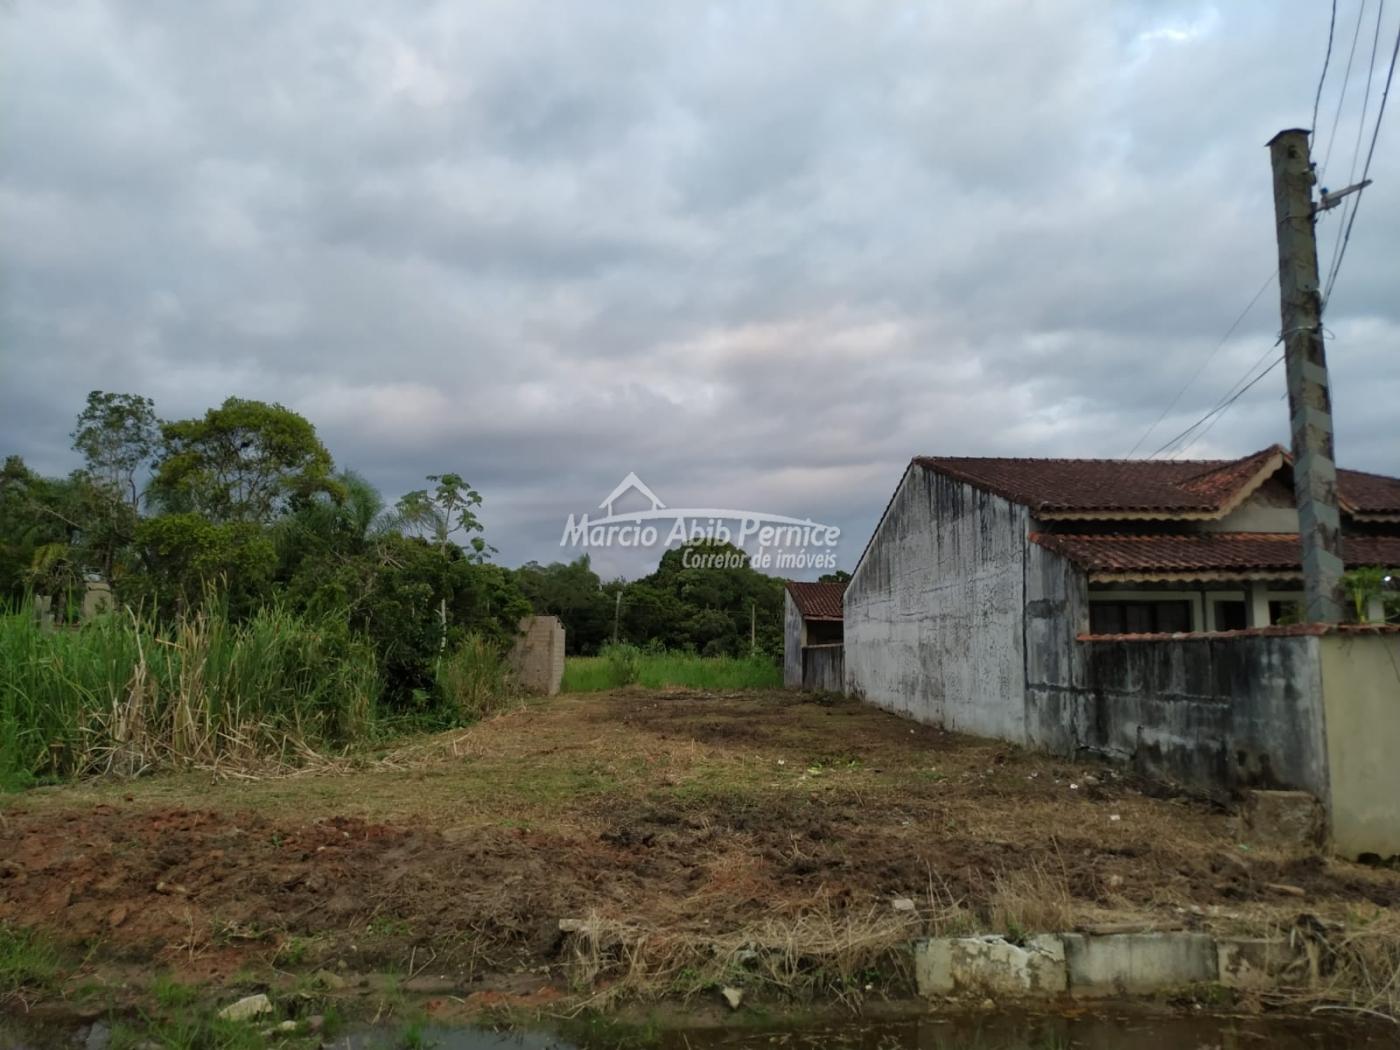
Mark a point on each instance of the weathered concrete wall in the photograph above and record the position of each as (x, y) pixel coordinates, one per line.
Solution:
(1215, 714)
(1057, 610)
(823, 668)
(792, 643)
(537, 658)
(934, 610)
(1361, 696)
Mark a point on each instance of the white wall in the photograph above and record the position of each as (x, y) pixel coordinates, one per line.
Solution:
(934, 611)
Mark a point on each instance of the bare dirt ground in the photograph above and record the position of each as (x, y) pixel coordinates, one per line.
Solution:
(654, 818)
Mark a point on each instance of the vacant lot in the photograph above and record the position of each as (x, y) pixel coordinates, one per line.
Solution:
(685, 832)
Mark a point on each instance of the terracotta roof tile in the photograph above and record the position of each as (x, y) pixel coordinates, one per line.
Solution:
(817, 601)
(1166, 487)
(1209, 552)
(1369, 493)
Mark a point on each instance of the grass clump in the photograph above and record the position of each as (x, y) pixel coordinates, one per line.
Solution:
(473, 680)
(1033, 899)
(27, 961)
(625, 665)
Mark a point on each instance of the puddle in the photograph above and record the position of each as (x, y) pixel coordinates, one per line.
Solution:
(1097, 1031)
(1102, 1029)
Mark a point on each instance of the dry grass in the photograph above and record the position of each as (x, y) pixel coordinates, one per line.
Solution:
(703, 838)
(817, 950)
(1032, 899)
(1353, 967)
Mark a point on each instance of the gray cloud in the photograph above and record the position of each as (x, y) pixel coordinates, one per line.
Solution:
(761, 254)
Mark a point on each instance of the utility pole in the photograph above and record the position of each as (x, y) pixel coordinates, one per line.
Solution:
(1309, 399)
(617, 614)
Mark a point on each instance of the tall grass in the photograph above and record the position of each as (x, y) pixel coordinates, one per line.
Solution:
(474, 680)
(121, 693)
(585, 674)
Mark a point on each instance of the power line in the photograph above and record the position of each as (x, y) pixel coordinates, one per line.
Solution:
(1226, 407)
(1223, 398)
(1202, 367)
(1224, 404)
(1326, 59)
(1346, 79)
(1349, 205)
(1365, 171)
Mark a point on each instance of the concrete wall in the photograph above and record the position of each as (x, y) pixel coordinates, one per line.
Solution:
(934, 611)
(1361, 697)
(1216, 714)
(823, 668)
(537, 658)
(793, 639)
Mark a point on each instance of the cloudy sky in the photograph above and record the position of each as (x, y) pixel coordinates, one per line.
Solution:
(759, 253)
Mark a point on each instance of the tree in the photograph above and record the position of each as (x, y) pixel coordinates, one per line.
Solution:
(839, 576)
(574, 593)
(186, 557)
(450, 507)
(117, 435)
(242, 462)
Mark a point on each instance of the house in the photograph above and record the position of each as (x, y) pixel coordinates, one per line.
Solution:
(812, 636)
(1141, 610)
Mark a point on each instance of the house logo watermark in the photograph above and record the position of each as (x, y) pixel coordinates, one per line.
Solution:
(767, 541)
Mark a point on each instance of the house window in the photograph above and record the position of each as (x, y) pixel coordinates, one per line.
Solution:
(1169, 617)
(1231, 616)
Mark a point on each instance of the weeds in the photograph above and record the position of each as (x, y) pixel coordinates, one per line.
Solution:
(624, 663)
(124, 694)
(473, 680)
(1034, 899)
(26, 962)
(819, 950)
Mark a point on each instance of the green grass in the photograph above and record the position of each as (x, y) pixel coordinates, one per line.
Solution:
(587, 674)
(26, 961)
(124, 693)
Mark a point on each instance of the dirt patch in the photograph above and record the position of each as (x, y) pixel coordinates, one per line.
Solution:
(695, 814)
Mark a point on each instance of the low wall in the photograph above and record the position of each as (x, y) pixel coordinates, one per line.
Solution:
(1361, 698)
(824, 668)
(1216, 713)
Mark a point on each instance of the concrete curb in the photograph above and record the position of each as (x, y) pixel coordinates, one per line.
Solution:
(1094, 965)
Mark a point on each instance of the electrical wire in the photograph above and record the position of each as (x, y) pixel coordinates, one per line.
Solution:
(1228, 398)
(1202, 367)
(1326, 59)
(1349, 204)
(1226, 407)
(1342, 97)
(1213, 416)
(1365, 171)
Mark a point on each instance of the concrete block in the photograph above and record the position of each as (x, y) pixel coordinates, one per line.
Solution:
(1136, 963)
(990, 966)
(1291, 820)
(1251, 963)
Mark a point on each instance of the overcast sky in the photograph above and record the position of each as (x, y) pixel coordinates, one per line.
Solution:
(759, 253)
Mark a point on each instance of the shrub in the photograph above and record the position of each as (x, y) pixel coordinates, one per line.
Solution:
(624, 663)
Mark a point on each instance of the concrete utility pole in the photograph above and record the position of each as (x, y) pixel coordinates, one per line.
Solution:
(1309, 400)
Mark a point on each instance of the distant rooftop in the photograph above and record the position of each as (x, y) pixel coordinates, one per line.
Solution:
(817, 601)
